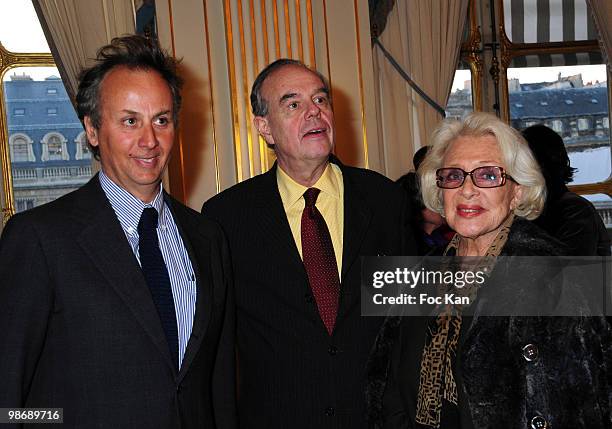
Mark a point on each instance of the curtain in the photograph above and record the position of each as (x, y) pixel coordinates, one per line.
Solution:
(379, 11)
(536, 21)
(76, 29)
(602, 15)
(424, 36)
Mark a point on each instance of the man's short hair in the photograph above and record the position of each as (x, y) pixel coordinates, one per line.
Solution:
(133, 52)
(259, 105)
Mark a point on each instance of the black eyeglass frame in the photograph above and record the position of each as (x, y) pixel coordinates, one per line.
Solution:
(504, 176)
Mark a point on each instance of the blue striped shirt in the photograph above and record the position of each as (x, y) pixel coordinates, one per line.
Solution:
(182, 277)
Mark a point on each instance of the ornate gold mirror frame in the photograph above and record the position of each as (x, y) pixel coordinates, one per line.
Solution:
(471, 53)
(9, 60)
(510, 50)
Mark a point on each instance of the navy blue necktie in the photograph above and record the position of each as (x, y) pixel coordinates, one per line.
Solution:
(157, 278)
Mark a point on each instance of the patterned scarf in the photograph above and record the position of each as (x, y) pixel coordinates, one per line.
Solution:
(436, 375)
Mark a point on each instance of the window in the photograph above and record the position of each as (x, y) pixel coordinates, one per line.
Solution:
(460, 100)
(38, 118)
(82, 147)
(24, 204)
(570, 112)
(583, 124)
(54, 147)
(20, 150)
(552, 65)
(20, 146)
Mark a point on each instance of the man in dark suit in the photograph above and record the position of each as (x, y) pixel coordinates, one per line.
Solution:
(116, 301)
(296, 234)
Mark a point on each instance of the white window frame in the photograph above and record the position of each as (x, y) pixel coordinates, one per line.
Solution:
(81, 142)
(28, 140)
(45, 145)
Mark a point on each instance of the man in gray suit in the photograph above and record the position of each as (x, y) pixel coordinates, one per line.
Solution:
(115, 300)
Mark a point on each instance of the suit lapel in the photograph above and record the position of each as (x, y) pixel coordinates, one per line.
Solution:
(274, 225)
(198, 248)
(104, 241)
(357, 217)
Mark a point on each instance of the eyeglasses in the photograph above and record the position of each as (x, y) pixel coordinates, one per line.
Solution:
(482, 177)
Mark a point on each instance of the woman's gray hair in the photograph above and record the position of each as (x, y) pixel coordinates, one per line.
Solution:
(518, 160)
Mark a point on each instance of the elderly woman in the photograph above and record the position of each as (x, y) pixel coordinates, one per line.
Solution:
(449, 371)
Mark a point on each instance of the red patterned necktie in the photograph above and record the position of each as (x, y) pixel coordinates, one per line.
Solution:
(320, 260)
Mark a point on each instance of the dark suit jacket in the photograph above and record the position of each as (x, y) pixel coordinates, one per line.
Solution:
(79, 329)
(568, 383)
(292, 374)
(574, 221)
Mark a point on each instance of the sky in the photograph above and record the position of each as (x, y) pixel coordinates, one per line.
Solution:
(590, 73)
(20, 32)
(17, 32)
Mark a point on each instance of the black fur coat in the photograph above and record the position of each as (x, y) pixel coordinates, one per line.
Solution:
(566, 383)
